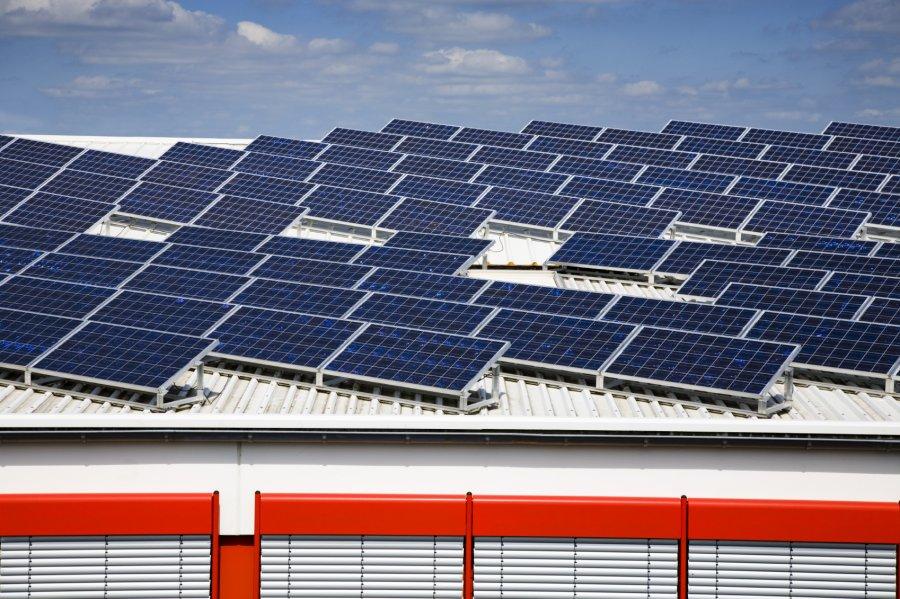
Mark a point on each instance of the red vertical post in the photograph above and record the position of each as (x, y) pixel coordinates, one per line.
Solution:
(469, 551)
(214, 563)
(683, 551)
(257, 542)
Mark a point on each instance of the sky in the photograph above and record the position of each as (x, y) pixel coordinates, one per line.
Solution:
(299, 68)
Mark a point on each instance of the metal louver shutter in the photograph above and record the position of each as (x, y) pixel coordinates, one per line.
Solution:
(361, 566)
(731, 569)
(557, 568)
(159, 567)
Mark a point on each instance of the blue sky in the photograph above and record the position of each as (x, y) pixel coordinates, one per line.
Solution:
(299, 68)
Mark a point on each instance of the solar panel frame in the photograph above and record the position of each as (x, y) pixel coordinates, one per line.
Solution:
(594, 216)
(516, 206)
(245, 214)
(841, 160)
(260, 187)
(303, 298)
(32, 238)
(423, 284)
(355, 206)
(518, 178)
(209, 259)
(434, 242)
(10, 197)
(420, 129)
(882, 310)
(82, 269)
(526, 159)
(40, 152)
(354, 177)
(282, 146)
(190, 176)
(439, 168)
(313, 272)
(612, 252)
(280, 167)
(688, 316)
(88, 186)
(663, 141)
(775, 137)
(712, 276)
(687, 256)
(23, 174)
(165, 203)
(58, 212)
(314, 249)
(570, 147)
(563, 130)
(596, 169)
(787, 299)
(685, 179)
(547, 300)
(435, 217)
(439, 190)
(182, 282)
(111, 163)
(742, 167)
(864, 284)
(436, 148)
(202, 155)
(709, 210)
(46, 296)
(886, 267)
(862, 146)
(784, 217)
(712, 130)
(365, 157)
(888, 250)
(168, 313)
(421, 314)
(652, 156)
(783, 191)
(611, 191)
(216, 238)
(414, 260)
(865, 131)
(25, 336)
(489, 137)
(718, 147)
(834, 177)
(112, 248)
(877, 164)
(892, 185)
(797, 241)
(362, 139)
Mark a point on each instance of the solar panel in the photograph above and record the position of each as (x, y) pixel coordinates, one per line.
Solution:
(834, 177)
(216, 238)
(786, 138)
(543, 340)
(210, 259)
(865, 131)
(711, 277)
(11, 196)
(82, 269)
(40, 152)
(844, 345)
(865, 146)
(438, 190)
(341, 175)
(422, 284)
(725, 365)
(582, 132)
(652, 156)
(738, 149)
(639, 138)
(794, 241)
(797, 301)
(191, 153)
(726, 132)
(58, 212)
(810, 157)
(181, 282)
(23, 174)
(281, 339)
(348, 205)
(134, 358)
(527, 207)
(784, 191)
(688, 255)
(489, 137)
(418, 313)
(366, 157)
(521, 179)
(690, 316)
(266, 144)
(187, 175)
(88, 186)
(24, 336)
(12, 260)
(166, 203)
(244, 214)
(52, 297)
(811, 220)
(162, 313)
(673, 177)
(549, 300)
(569, 147)
(437, 167)
(317, 249)
(847, 263)
(362, 139)
(892, 185)
(415, 260)
(448, 244)
(110, 163)
(877, 164)
(113, 248)
(259, 187)
(883, 311)
(612, 252)
(436, 148)
(315, 272)
(707, 209)
(299, 297)
(606, 217)
(424, 360)
(271, 165)
(538, 161)
(739, 166)
(32, 238)
(5, 139)
(435, 217)
(865, 284)
(420, 129)
(887, 250)
(612, 191)
(600, 169)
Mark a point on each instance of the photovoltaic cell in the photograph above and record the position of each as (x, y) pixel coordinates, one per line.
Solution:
(449, 244)
(877, 164)
(281, 146)
(215, 238)
(865, 284)
(882, 206)
(834, 177)
(847, 263)
(437, 167)
(82, 269)
(887, 250)
(689, 316)
(202, 155)
(186, 175)
(527, 207)
(210, 259)
(341, 175)
(619, 219)
(652, 156)
(797, 301)
(612, 252)
(11, 196)
(786, 138)
(582, 132)
(811, 220)
(58, 212)
(180, 282)
(711, 277)
(110, 163)
(32, 238)
(52, 297)
(794, 241)
(415, 260)
(314, 272)
(549, 300)
(883, 311)
(435, 217)
(12, 260)
(260, 187)
(611, 191)
(569, 147)
(783, 191)
(488, 137)
(726, 132)
(810, 157)
(707, 209)
(892, 185)
(739, 166)
(688, 255)
(517, 178)
(538, 161)
(362, 139)
(299, 297)
(89, 186)
(23, 174)
(162, 313)
(348, 205)
(865, 146)
(672, 177)
(600, 169)
(40, 152)
(438, 190)
(418, 313)
(865, 131)
(316, 249)
(422, 284)
(703, 145)
(167, 203)
(436, 148)
(244, 214)
(271, 165)
(5, 139)
(113, 248)
(420, 129)
(639, 138)
(366, 157)
(24, 336)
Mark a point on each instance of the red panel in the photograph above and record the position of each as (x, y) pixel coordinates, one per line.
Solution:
(620, 517)
(812, 521)
(469, 551)
(238, 559)
(362, 514)
(106, 514)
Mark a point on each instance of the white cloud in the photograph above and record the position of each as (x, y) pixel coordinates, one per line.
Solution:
(264, 37)
(327, 45)
(607, 78)
(458, 61)
(384, 48)
(99, 86)
(868, 16)
(642, 88)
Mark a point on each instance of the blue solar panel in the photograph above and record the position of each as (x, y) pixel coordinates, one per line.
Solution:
(244, 214)
(348, 205)
(521, 179)
(270, 165)
(794, 241)
(549, 300)
(317, 249)
(24, 336)
(727, 132)
(810, 157)
(437, 148)
(612, 191)
(418, 313)
(619, 219)
(341, 175)
(187, 175)
(180, 282)
(161, 313)
(876, 164)
(422, 284)
(167, 203)
(707, 209)
(882, 206)
(415, 260)
(89, 186)
(281, 338)
(639, 138)
(299, 297)
(365, 157)
(32, 238)
(865, 131)
(420, 129)
(215, 238)
(797, 301)
(892, 186)
(673, 177)
(865, 284)
(52, 297)
(137, 358)
(527, 207)
(23, 174)
(5, 139)
(110, 163)
(10, 197)
(281, 146)
(711, 277)
(834, 177)
(437, 167)
(211, 259)
(784, 191)
(114, 248)
(739, 166)
(362, 139)
(82, 269)
(569, 147)
(438, 190)
(883, 311)
(887, 250)
(582, 132)
(688, 255)
(865, 146)
(652, 156)
(432, 361)
(435, 217)
(600, 169)
(542, 339)
(12, 260)
(259, 187)
(202, 155)
(448, 244)
(786, 138)
(314, 272)
(40, 152)
(58, 212)
(516, 158)
(699, 361)
(612, 252)
(703, 145)
(690, 316)
(487, 137)
(887, 267)
(834, 344)
(811, 220)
